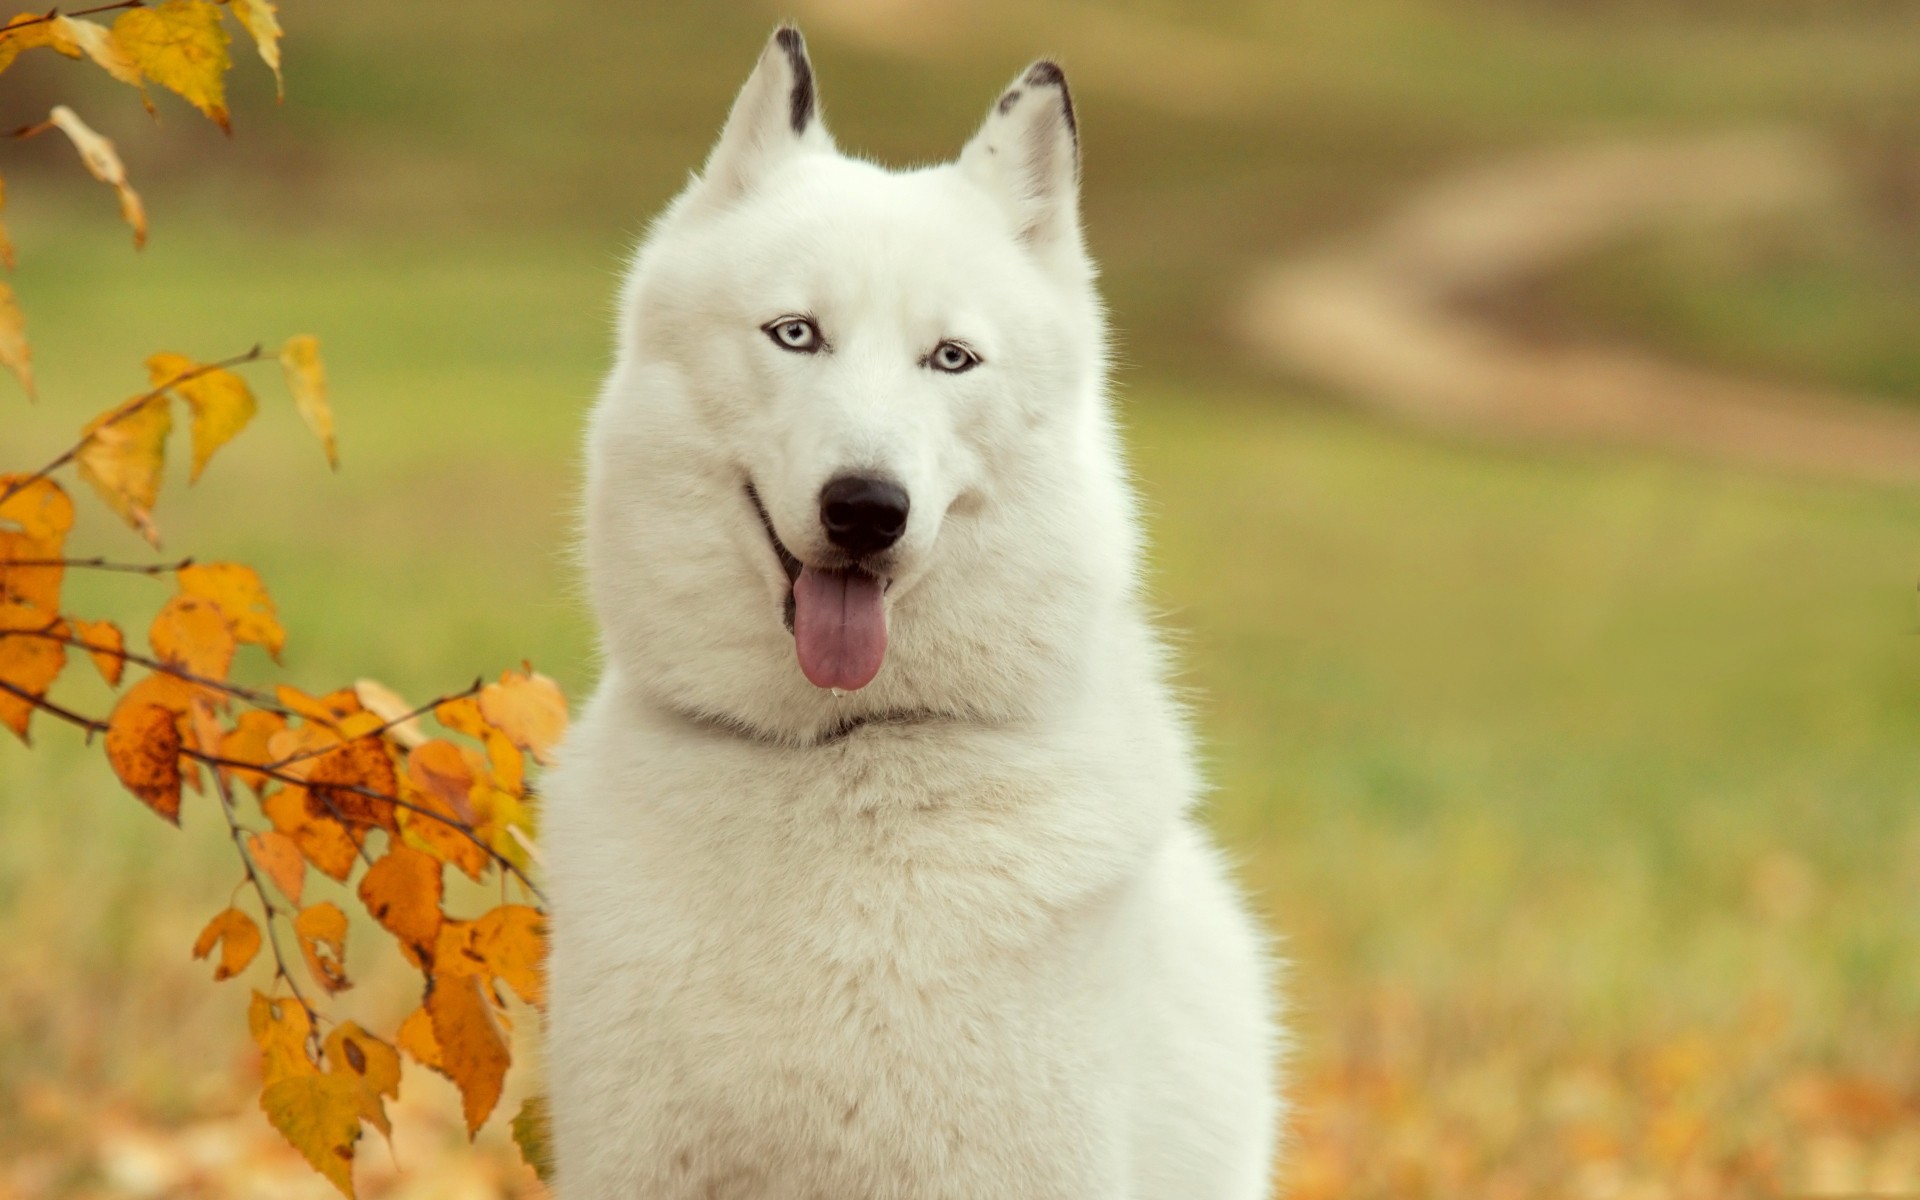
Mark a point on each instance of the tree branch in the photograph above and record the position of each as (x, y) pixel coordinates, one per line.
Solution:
(100, 564)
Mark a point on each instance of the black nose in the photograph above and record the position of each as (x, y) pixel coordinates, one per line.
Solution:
(863, 515)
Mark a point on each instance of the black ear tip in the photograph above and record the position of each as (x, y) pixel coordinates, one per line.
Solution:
(1047, 73)
(800, 102)
(788, 35)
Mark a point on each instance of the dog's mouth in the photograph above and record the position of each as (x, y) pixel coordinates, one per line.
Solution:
(837, 615)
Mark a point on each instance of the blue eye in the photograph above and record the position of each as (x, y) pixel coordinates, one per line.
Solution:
(798, 334)
(953, 358)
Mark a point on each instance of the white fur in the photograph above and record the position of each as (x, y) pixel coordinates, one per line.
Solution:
(955, 934)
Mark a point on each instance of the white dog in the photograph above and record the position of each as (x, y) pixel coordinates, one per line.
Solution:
(873, 867)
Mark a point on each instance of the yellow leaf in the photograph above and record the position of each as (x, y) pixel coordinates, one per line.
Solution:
(221, 402)
(191, 634)
(322, 930)
(30, 31)
(103, 162)
(238, 938)
(529, 708)
(281, 1028)
(242, 599)
(28, 664)
(122, 455)
(512, 939)
(473, 1048)
(106, 645)
(182, 46)
(320, 1116)
(329, 709)
(307, 380)
(98, 43)
(355, 1054)
(533, 1133)
(279, 856)
(257, 16)
(34, 520)
(15, 354)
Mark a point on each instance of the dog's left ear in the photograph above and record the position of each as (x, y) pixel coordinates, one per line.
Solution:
(777, 114)
(1027, 154)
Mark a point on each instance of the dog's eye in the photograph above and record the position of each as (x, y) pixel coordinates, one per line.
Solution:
(953, 358)
(798, 334)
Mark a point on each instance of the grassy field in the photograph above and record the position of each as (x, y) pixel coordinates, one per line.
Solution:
(1581, 787)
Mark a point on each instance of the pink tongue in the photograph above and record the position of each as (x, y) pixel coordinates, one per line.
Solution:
(839, 627)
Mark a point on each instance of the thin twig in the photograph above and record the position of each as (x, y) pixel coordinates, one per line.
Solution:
(256, 698)
(125, 410)
(65, 714)
(100, 564)
(54, 14)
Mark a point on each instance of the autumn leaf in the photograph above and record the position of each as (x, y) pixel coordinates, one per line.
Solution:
(238, 938)
(247, 742)
(220, 401)
(122, 454)
(340, 781)
(30, 31)
(307, 380)
(372, 1064)
(512, 940)
(39, 513)
(257, 17)
(463, 715)
(15, 354)
(440, 780)
(103, 163)
(279, 856)
(105, 645)
(402, 889)
(533, 1133)
(473, 1048)
(98, 43)
(28, 664)
(242, 599)
(281, 1028)
(143, 744)
(320, 1116)
(329, 846)
(192, 634)
(182, 46)
(386, 703)
(330, 709)
(322, 930)
(529, 708)
(416, 1038)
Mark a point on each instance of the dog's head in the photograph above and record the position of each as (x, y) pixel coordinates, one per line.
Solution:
(853, 458)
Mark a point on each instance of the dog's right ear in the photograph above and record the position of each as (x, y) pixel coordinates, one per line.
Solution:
(777, 114)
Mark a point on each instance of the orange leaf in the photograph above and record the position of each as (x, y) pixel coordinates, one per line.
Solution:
(103, 163)
(15, 354)
(330, 847)
(341, 780)
(355, 1054)
(322, 930)
(39, 515)
(221, 402)
(416, 1038)
(181, 46)
(402, 890)
(144, 741)
(513, 940)
(281, 1029)
(241, 598)
(473, 1048)
(193, 635)
(257, 16)
(441, 779)
(122, 454)
(329, 709)
(464, 716)
(279, 856)
(110, 657)
(529, 708)
(320, 1116)
(238, 938)
(247, 741)
(307, 380)
(27, 663)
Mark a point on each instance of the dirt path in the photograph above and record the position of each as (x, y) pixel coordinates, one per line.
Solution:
(1385, 319)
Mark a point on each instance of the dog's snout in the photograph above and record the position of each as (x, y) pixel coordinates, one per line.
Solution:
(863, 514)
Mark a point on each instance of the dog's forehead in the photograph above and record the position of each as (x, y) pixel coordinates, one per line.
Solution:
(836, 209)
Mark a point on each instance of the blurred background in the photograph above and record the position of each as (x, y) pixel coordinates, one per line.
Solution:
(1526, 395)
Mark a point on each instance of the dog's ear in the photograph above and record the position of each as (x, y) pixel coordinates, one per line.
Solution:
(1028, 155)
(777, 114)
